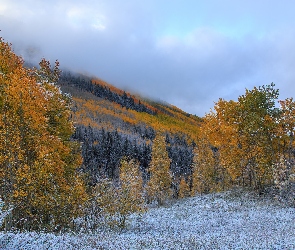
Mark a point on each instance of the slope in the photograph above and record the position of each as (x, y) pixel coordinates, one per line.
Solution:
(112, 123)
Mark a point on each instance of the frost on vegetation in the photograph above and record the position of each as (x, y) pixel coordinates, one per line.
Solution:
(4, 212)
(228, 220)
(284, 178)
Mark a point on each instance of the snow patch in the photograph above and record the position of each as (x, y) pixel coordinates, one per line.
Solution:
(214, 221)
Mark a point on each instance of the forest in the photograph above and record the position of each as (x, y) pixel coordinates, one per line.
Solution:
(77, 152)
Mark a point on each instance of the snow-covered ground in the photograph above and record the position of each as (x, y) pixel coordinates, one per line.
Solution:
(226, 220)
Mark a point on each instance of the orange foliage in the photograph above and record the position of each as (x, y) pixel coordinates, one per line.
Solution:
(37, 160)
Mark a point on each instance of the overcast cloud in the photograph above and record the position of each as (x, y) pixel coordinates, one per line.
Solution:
(188, 53)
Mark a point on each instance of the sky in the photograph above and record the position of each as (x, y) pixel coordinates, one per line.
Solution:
(188, 53)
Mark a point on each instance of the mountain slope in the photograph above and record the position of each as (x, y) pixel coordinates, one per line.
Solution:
(125, 106)
(112, 123)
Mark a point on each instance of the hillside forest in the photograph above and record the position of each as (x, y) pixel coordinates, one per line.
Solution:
(77, 152)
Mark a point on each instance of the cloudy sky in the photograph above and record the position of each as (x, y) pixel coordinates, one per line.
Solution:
(189, 53)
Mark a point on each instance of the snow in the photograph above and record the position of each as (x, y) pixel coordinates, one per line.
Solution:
(227, 220)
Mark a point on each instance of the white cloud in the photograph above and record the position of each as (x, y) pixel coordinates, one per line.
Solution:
(83, 17)
(124, 42)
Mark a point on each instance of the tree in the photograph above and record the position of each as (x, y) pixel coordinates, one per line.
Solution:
(208, 175)
(131, 190)
(38, 161)
(184, 189)
(257, 125)
(117, 202)
(284, 169)
(243, 135)
(286, 129)
(159, 185)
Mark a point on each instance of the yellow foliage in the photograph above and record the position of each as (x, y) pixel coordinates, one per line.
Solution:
(184, 189)
(159, 185)
(37, 160)
(239, 141)
(119, 202)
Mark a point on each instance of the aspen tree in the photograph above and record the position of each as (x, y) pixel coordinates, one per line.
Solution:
(184, 189)
(244, 137)
(159, 185)
(117, 202)
(131, 190)
(38, 162)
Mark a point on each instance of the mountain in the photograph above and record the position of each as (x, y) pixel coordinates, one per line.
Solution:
(112, 123)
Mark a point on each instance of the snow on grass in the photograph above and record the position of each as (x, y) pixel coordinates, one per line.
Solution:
(226, 220)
